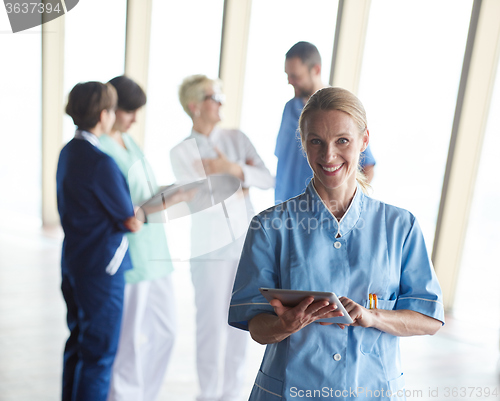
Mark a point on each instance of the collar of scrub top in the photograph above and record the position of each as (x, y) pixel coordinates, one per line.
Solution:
(351, 216)
(87, 136)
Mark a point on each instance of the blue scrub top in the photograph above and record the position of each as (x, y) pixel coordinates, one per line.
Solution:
(293, 172)
(93, 201)
(375, 248)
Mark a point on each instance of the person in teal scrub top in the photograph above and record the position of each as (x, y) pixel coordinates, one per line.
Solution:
(149, 323)
(335, 238)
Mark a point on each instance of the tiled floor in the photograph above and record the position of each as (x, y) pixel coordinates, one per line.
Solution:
(32, 333)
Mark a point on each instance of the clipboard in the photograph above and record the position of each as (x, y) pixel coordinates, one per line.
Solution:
(157, 201)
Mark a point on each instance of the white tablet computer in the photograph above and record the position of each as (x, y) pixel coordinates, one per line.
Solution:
(294, 297)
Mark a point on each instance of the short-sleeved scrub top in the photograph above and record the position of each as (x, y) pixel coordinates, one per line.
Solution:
(148, 247)
(375, 248)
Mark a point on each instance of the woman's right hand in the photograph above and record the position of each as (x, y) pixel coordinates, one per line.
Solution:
(268, 329)
(295, 318)
(133, 224)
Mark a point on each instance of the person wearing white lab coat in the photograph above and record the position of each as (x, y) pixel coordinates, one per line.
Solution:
(228, 164)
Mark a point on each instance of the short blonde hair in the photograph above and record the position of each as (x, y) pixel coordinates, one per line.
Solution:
(327, 99)
(192, 90)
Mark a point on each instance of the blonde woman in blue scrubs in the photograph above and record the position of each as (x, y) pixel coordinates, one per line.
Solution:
(335, 238)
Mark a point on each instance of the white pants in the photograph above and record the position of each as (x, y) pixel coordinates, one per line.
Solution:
(220, 348)
(146, 341)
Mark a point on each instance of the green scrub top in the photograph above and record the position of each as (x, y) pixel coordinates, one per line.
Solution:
(148, 247)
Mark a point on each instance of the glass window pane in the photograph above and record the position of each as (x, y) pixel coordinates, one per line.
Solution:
(20, 124)
(479, 273)
(94, 47)
(409, 84)
(183, 42)
(275, 26)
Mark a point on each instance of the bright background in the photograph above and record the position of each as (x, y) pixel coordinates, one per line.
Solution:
(409, 83)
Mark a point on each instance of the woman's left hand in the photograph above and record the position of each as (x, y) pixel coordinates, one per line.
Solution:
(361, 316)
(401, 322)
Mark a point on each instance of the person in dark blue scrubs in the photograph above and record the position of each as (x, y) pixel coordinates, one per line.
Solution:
(95, 209)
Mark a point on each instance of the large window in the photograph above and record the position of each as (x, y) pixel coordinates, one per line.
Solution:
(479, 273)
(20, 124)
(409, 85)
(275, 26)
(94, 47)
(185, 40)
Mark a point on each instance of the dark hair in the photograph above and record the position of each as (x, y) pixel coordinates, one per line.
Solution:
(130, 94)
(306, 52)
(87, 100)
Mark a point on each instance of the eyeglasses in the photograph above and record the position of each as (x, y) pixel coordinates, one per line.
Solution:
(216, 97)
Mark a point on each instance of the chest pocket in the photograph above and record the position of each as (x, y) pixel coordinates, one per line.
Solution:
(385, 304)
(371, 335)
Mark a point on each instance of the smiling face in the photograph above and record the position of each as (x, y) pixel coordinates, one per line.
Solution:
(333, 143)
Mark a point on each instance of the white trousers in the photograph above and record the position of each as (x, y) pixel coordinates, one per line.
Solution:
(146, 341)
(220, 348)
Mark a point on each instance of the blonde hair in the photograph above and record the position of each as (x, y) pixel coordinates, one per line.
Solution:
(192, 90)
(327, 99)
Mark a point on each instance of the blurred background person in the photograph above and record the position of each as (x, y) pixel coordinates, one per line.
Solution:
(95, 210)
(149, 321)
(303, 68)
(227, 160)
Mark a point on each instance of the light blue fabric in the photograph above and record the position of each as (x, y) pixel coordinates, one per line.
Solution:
(381, 251)
(148, 247)
(293, 172)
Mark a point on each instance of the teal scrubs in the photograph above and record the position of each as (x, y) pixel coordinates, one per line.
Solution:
(377, 249)
(148, 247)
